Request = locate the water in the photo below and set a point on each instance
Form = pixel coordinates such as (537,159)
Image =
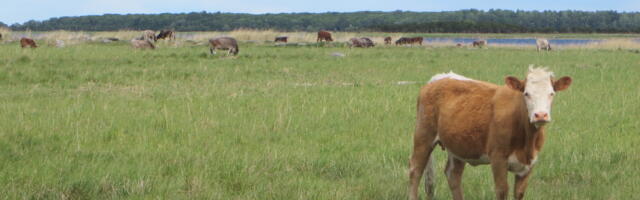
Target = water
(516,41)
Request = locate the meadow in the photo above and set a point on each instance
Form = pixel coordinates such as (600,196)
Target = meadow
(105,121)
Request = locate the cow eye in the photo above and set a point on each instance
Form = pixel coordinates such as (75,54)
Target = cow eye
(553,93)
(526,94)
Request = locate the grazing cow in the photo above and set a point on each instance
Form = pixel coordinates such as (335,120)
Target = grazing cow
(360,42)
(458,45)
(282,39)
(142,44)
(479,43)
(224,43)
(415,40)
(402,40)
(165,34)
(148,35)
(387,40)
(543,44)
(0,36)
(27,42)
(482,123)
(324,35)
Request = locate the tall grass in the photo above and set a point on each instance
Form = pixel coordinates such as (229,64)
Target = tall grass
(96,121)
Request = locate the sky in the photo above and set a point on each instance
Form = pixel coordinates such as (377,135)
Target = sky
(19,11)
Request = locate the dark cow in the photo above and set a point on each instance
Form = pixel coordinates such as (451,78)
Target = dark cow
(324,35)
(0,36)
(413,40)
(479,43)
(165,34)
(360,42)
(224,43)
(27,42)
(282,39)
(387,40)
(402,40)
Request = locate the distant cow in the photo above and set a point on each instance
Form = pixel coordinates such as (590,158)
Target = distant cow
(324,35)
(479,43)
(148,35)
(142,44)
(402,40)
(0,36)
(387,40)
(165,34)
(458,45)
(360,42)
(413,40)
(416,40)
(543,44)
(282,39)
(27,42)
(224,43)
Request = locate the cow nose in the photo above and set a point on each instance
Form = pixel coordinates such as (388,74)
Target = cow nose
(541,116)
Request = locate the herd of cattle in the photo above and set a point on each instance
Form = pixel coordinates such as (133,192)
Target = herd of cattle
(149,37)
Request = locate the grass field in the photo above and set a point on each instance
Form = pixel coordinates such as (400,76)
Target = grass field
(104,121)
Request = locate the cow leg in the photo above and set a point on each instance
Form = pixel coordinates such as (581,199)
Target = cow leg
(423,144)
(520,185)
(499,168)
(454,170)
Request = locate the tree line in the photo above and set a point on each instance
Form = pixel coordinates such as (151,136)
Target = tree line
(463,21)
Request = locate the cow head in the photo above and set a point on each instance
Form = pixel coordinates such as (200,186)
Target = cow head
(538,90)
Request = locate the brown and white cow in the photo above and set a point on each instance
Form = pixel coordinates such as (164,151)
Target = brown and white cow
(27,42)
(543,44)
(482,123)
(324,35)
(148,35)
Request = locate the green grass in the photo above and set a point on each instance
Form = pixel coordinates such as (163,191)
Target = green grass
(109,122)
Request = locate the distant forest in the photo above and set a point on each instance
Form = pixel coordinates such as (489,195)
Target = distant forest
(463,21)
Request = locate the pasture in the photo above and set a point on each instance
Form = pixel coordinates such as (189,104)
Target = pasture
(104,121)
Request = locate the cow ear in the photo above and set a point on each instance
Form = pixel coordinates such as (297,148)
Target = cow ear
(562,83)
(514,83)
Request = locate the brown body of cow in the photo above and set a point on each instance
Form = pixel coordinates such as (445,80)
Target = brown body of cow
(387,40)
(324,35)
(27,42)
(282,39)
(481,123)
(164,34)
(479,43)
(224,43)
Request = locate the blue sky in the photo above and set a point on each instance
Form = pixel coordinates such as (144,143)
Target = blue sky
(13,11)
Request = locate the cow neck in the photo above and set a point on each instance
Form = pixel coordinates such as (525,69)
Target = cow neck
(531,134)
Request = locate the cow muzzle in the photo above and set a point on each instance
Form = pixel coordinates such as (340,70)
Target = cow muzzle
(540,118)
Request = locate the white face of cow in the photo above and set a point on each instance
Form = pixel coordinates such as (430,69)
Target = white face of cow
(538,95)
(538,91)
